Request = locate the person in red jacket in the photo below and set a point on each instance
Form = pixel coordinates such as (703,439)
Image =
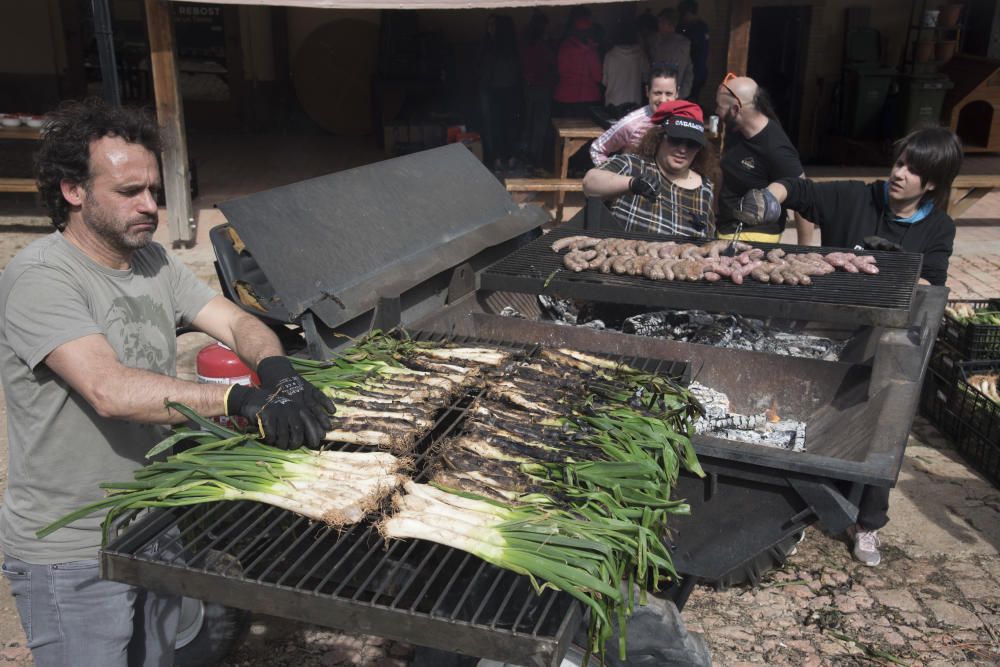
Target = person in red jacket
(579,67)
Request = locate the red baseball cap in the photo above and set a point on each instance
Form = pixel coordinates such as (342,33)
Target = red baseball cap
(681,119)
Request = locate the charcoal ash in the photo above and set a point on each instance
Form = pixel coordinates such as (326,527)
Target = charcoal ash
(758,429)
(511,311)
(731,331)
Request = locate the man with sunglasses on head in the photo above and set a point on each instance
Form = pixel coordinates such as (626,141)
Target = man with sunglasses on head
(906,212)
(661,86)
(756,151)
(666,186)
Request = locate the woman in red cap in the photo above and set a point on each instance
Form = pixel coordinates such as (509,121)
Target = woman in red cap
(667,185)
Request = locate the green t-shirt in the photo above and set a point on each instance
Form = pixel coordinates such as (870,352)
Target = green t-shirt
(60,449)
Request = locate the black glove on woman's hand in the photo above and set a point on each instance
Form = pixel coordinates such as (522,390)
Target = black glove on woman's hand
(277,375)
(282,422)
(637,186)
(760,206)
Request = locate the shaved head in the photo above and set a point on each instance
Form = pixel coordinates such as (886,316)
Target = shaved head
(743,87)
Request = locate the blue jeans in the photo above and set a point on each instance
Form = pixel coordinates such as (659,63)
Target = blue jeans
(73,617)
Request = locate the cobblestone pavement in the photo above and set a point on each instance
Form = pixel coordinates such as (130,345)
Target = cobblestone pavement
(934,600)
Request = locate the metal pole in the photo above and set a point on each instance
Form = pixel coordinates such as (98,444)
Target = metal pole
(106,52)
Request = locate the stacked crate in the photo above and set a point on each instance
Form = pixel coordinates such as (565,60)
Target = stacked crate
(958,408)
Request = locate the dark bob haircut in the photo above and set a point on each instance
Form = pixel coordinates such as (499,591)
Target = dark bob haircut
(935,155)
(65,148)
(660,71)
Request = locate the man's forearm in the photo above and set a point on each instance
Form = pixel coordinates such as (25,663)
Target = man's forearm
(249,338)
(137,395)
(779,191)
(253,340)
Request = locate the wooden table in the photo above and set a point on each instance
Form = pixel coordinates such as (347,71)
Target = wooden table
(28,134)
(572,134)
(20,132)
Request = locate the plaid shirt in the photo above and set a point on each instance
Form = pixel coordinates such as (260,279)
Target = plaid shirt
(676,210)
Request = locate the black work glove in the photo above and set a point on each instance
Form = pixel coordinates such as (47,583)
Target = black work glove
(281,421)
(277,374)
(637,186)
(760,207)
(879,243)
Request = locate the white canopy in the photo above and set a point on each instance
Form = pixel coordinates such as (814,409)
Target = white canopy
(407,4)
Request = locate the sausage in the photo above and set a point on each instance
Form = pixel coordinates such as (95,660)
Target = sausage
(578,241)
(578,260)
(598,260)
(618,263)
(775,255)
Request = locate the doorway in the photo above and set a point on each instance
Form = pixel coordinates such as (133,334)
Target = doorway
(779,37)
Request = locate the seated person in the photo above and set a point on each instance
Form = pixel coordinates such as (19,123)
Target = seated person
(666,186)
(625,135)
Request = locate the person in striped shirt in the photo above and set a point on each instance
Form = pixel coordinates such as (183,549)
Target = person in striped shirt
(667,185)
(661,86)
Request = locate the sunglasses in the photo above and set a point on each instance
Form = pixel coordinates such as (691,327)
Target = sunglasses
(729,77)
(691,144)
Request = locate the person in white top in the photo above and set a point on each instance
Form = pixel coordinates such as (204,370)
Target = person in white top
(625,71)
(629,130)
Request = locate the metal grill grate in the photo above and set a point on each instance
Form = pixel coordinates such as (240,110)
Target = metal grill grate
(270,560)
(881,300)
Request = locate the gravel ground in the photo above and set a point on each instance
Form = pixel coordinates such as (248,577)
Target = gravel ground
(934,601)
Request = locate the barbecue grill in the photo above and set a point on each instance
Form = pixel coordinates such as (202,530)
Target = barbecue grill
(432,242)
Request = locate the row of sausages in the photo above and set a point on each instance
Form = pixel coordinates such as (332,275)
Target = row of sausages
(710,261)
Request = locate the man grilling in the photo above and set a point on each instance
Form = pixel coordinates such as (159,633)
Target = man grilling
(87,357)
(756,152)
(906,212)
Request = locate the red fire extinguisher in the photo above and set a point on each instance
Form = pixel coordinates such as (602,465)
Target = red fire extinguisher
(217,364)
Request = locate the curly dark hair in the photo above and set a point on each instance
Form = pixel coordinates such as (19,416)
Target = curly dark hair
(65,146)
(706,162)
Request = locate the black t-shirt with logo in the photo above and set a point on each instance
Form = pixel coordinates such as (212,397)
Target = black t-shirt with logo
(751,163)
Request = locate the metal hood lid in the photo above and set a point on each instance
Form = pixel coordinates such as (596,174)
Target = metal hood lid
(335,243)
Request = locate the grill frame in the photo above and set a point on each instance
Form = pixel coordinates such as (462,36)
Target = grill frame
(492,614)
(837,297)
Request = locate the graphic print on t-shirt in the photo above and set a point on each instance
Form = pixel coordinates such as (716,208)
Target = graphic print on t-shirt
(135,327)
(748,163)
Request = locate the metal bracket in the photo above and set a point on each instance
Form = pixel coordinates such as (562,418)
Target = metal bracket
(463,281)
(315,346)
(388,313)
(834,511)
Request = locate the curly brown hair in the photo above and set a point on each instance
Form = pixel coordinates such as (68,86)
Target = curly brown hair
(65,147)
(706,162)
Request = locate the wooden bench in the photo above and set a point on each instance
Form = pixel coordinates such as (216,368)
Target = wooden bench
(558,186)
(18,185)
(544,185)
(966,190)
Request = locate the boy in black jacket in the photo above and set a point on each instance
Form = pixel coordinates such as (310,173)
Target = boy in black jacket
(907,212)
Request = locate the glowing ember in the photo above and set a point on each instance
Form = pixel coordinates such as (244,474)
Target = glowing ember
(772,413)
